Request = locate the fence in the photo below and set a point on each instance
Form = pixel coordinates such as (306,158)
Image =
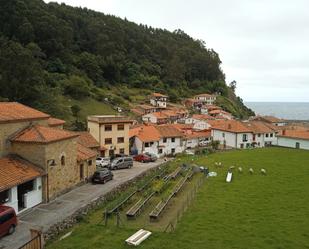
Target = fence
(34,243)
(188,200)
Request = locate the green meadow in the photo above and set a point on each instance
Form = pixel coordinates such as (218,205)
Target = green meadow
(253,211)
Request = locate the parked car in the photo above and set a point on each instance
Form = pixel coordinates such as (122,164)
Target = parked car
(118,155)
(102,176)
(103,161)
(142,158)
(8,220)
(122,163)
(153,156)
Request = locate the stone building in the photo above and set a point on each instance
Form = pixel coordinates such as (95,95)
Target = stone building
(56,159)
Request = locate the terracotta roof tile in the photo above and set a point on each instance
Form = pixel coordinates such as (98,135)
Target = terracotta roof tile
(84,153)
(12,111)
(42,134)
(15,171)
(204,95)
(259,127)
(87,140)
(146,133)
(168,131)
(202,116)
(229,125)
(55,122)
(298,134)
(158,95)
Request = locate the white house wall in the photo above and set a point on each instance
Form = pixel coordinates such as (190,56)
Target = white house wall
(291,143)
(231,139)
(31,198)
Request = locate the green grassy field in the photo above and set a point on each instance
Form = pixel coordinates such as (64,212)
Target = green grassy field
(253,211)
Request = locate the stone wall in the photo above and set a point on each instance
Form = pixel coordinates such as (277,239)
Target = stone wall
(9,129)
(62,177)
(88,169)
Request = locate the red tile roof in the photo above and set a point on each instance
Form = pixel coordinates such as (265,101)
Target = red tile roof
(15,171)
(229,125)
(270,119)
(55,122)
(146,133)
(158,95)
(84,153)
(42,134)
(198,134)
(87,140)
(204,95)
(297,134)
(202,116)
(168,131)
(12,112)
(259,127)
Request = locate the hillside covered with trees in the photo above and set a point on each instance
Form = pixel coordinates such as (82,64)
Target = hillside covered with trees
(50,53)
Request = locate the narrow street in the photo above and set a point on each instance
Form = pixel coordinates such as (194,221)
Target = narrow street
(46,215)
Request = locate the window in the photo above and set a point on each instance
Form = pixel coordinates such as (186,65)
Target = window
(271,135)
(164,140)
(108,127)
(120,140)
(160,151)
(62,160)
(259,135)
(267,135)
(173,150)
(223,134)
(108,140)
(241,146)
(89,162)
(4,196)
(121,151)
(244,137)
(173,140)
(120,127)
(6,217)
(147,145)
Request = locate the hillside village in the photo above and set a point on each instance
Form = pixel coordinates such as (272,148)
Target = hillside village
(40,160)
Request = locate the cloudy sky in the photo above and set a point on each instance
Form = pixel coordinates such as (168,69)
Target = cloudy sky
(263,44)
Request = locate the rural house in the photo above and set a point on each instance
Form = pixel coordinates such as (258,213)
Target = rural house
(38,162)
(112,133)
(231,133)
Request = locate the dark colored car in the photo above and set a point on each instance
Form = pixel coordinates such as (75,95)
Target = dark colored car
(142,158)
(102,176)
(8,220)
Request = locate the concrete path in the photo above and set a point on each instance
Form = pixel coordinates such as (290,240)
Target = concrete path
(46,215)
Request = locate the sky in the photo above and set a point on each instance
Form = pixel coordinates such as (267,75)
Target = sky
(263,44)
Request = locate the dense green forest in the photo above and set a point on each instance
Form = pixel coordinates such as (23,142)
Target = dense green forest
(51,52)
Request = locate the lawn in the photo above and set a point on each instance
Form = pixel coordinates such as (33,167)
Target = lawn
(253,211)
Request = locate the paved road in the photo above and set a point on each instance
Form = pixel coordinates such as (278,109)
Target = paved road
(46,215)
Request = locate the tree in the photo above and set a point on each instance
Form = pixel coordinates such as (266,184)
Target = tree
(232,85)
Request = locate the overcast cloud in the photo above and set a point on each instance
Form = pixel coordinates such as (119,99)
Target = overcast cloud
(263,44)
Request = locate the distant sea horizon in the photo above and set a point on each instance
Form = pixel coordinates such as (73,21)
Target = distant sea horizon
(284,110)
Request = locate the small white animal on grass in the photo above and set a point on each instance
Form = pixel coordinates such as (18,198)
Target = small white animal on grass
(263,172)
(251,171)
(240,169)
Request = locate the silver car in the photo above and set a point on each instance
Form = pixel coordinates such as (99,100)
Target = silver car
(122,163)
